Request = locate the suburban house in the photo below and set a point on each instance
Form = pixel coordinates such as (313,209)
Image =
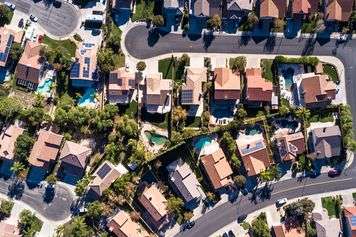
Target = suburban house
(29,70)
(9,230)
(226,85)
(122,85)
(6,40)
(44,154)
(284,231)
(7,146)
(157,94)
(236,9)
(258,90)
(123,226)
(338,10)
(206,8)
(303,8)
(350,221)
(184,182)
(317,91)
(326,226)
(192,90)
(154,204)
(326,142)
(290,145)
(254,153)
(272,9)
(73,159)
(104,176)
(175,6)
(217,169)
(84,71)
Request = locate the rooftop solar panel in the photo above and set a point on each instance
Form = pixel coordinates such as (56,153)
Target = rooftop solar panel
(103,171)
(74,72)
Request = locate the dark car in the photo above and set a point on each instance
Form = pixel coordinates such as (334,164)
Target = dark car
(231,234)
(188,225)
(57,4)
(334,172)
(241,218)
(225,235)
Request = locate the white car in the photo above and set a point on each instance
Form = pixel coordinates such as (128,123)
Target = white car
(34,18)
(10,5)
(281,202)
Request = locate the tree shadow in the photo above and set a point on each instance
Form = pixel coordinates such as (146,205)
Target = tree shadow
(49,194)
(208,38)
(16,190)
(309,46)
(270,44)
(153,37)
(244,39)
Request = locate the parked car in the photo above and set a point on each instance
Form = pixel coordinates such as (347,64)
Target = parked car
(281,202)
(10,5)
(34,18)
(188,225)
(334,172)
(57,4)
(230,233)
(241,218)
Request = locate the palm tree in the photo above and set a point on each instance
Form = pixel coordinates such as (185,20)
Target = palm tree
(269,174)
(19,171)
(303,113)
(51,180)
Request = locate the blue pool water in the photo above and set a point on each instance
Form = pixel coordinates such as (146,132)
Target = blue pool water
(253,130)
(288,78)
(202,142)
(44,87)
(88,97)
(285,123)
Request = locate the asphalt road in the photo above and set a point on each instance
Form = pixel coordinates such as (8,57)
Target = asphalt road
(56,210)
(140,44)
(60,22)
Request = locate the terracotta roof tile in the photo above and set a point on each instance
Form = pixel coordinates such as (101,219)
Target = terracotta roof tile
(7,141)
(290,145)
(29,66)
(273,8)
(227,84)
(123,226)
(258,89)
(121,81)
(317,89)
(192,89)
(339,10)
(305,6)
(75,154)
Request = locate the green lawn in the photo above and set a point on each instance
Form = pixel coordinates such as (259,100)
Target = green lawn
(331,71)
(354,196)
(193,122)
(324,116)
(267,72)
(144,10)
(67,47)
(330,204)
(165,66)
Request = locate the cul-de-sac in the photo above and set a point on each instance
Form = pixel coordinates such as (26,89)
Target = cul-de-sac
(177,118)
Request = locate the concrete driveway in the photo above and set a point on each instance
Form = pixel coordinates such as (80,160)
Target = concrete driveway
(59,22)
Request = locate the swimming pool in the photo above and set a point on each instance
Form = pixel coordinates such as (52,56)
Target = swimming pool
(285,123)
(253,130)
(155,138)
(88,98)
(288,78)
(202,142)
(44,88)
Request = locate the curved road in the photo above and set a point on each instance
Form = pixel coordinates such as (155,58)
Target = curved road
(59,22)
(56,210)
(142,45)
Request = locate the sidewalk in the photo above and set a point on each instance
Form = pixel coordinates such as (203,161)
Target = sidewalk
(273,216)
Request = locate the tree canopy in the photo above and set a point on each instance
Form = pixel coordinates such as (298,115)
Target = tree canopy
(259,226)
(5,15)
(29,224)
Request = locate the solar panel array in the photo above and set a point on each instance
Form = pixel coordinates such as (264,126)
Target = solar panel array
(104,170)
(187,96)
(250,149)
(353,220)
(88,45)
(86,67)
(5,54)
(74,72)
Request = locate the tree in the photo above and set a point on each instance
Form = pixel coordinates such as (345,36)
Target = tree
(229,143)
(51,179)
(179,115)
(76,228)
(18,169)
(138,152)
(107,60)
(175,205)
(16,51)
(299,209)
(9,107)
(126,127)
(23,146)
(241,113)
(29,224)
(5,209)
(188,215)
(239,64)
(259,226)
(304,164)
(158,20)
(95,211)
(141,66)
(205,118)
(269,174)
(5,15)
(214,23)
(240,181)
(283,110)
(81,185)
(135,216)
